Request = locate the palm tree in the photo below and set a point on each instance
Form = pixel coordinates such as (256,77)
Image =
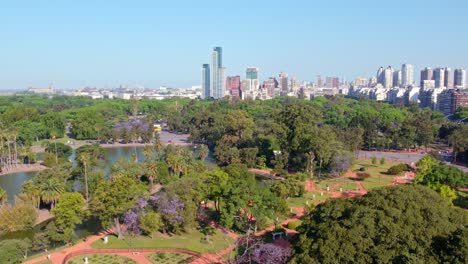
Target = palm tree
(202,152)
(151,173)
(157,143)
(3,196)
(85,158)
(147,152)
(53,135)
(51,190)
(32,191)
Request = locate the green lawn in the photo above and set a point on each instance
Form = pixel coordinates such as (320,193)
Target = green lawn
(169,258)
(308,196)
(193,240)
(377,172)
(102,259)
(322,185)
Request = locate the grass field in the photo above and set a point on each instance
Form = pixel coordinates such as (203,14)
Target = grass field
(377,172)
(169,258)
(193,240)
(102,259)
(308,196)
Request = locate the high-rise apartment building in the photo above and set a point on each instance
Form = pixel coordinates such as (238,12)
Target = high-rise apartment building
(448,81)
(283,80)
(388,77)
(380,75)
(360,82)
(233,86)
(206,91)
(319,81)
(397,78)
(426,75)
(460,78)
(407,75)
(217,74)
(439,77)
(252,73)
(270,85)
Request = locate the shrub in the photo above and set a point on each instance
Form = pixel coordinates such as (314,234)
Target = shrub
(374,160)
(362,175)
(398,169)
(362,169)
(294,224)
(382,161)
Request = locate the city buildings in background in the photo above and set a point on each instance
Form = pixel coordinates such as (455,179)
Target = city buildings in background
(441,88)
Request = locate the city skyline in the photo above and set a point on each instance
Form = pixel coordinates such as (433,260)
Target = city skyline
(107,44)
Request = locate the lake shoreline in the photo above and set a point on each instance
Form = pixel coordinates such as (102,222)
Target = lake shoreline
(24,168)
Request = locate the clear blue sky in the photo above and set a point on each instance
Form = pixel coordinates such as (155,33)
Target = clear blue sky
(152,43)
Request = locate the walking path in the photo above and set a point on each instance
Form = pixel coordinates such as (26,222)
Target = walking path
(139,255)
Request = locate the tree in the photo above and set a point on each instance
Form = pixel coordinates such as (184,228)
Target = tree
(85,159)
(385,226)
(51,190)
(18,217)
(14,250)
(68,213)
(202,152)
(113,198)
(84,124)
(3,196)
(150,222)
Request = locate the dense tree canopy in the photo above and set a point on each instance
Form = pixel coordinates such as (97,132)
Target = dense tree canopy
(395,224)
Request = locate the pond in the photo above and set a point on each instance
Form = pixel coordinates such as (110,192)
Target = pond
(12,182)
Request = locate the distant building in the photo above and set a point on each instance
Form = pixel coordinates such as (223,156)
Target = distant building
(233,86)
(332,82)
(450,100)
(448,81)
(283,81)
(426,75)
(360,82)
(270,85)
(252,73)
(49,90)
(372,82)
(319,81)
(428,84)
(388,77)
(206,91)
(439,77)
(397,79)
(460,78)
(380,75)
(407,75)
(217,74)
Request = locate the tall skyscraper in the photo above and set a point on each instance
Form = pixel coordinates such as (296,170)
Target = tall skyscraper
(252,73)
(319,81)
(283,80)
(251,84)
(397,78)
(206,92)
(380,75)
(448,81)
(439,77)
(218,83)
(460,78)
(407,75)
(426,75)
(388,77)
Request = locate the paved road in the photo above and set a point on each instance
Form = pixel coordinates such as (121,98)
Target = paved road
(393,156)
(167,137)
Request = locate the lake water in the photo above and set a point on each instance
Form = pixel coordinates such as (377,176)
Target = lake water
(12,182)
